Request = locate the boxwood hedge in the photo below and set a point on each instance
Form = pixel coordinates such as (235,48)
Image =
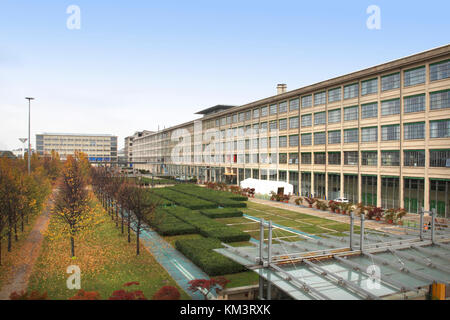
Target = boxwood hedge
(221,213)
(221,198)
(207,226)
(200,252)
(184,200)
(169,225)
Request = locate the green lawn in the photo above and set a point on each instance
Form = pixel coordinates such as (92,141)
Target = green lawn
(106,259)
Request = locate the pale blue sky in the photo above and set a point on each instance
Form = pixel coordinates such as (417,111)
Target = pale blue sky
(135,65)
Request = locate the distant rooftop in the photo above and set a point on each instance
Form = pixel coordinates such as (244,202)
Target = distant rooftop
(75,134)
(217,108)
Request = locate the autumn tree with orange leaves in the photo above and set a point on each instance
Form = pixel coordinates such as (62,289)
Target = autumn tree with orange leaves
(73,202)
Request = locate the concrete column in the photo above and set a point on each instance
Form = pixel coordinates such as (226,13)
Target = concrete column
(312,183)
(378,190)
(326,185)
(359,186)
(426,194)
(341,192)
(402,190)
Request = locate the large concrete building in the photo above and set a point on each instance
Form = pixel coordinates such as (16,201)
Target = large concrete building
(379,136)
(100,148)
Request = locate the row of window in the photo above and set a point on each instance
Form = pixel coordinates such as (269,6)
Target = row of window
(415,103)
(411,158)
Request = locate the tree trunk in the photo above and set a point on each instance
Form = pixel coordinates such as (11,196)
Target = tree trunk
(129,226)
(72,246)
(117,215)
(9,238)
(22,223)
(121,218)
(138,231)
(15,232)
(1,250)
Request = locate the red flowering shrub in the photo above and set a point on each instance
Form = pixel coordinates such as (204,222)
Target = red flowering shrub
(22,295)
(128,295)
(86,295)
(167,293)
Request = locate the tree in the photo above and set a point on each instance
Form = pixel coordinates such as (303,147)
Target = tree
(206,286)
(167,293)
(72,204)
(142,204)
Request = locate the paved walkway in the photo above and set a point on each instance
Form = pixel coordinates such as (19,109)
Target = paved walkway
(372,224)
(180,268)
(28,254)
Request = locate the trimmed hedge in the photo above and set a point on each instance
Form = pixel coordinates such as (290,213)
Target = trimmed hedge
(221,213)
(162,202)
(184,200)
(169,225)
(200,252)
(221,198)
(207,226)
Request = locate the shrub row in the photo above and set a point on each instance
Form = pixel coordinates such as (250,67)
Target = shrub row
(161,201)
(169,225)
(184,200)
(200,252)
(207,226)
(221,213)
(221,198)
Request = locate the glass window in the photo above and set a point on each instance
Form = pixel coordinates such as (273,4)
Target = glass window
(414,76)
(223,121)
(414,158)
(319,158)
(390,82)
(440,99)
(334,158)
(263,111)
(293,158)
(439,158)
(282,159)
(440,129)
(241,116)
(273,142)
(350,135)
(334,116)
(414,103)
(255,113)
(307,101)
(334,137)
(369,158)
(369,134)
(273,125)
(319,138)
(263,143)
(389,133)
(307,120)
(293,123)
(306,157)
(319,118)
(389,107)
(293,104)
(369,110)
(293,140)
(390,158)
(351,158)
(334,95)
(351,113)
(248,115)
(320,98)
(414,130)
(229,119)
(351,91)
(263,127)
(283,107)
(283,141)
(440,70)
(273,109)
(282,124)
(306,139)
(369,86)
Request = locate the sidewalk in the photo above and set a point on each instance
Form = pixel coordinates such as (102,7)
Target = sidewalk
(28,255)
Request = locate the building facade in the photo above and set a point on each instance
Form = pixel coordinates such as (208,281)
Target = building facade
(378,136)
(101,148)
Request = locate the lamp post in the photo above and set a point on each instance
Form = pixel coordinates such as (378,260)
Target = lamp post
(29,141)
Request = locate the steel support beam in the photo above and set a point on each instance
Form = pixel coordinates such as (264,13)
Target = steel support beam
(431,253)
(402,268)
(420,260)
(388,280)
(340,281)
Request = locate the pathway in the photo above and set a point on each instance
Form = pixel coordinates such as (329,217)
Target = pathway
(27,255)
(180,268)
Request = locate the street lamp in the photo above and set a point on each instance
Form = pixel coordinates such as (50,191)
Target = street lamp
(29,141)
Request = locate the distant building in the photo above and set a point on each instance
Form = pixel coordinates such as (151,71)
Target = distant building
(129,142)
(100,148)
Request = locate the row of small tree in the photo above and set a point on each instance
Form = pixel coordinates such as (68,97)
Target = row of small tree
(23,195)
(126,201)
